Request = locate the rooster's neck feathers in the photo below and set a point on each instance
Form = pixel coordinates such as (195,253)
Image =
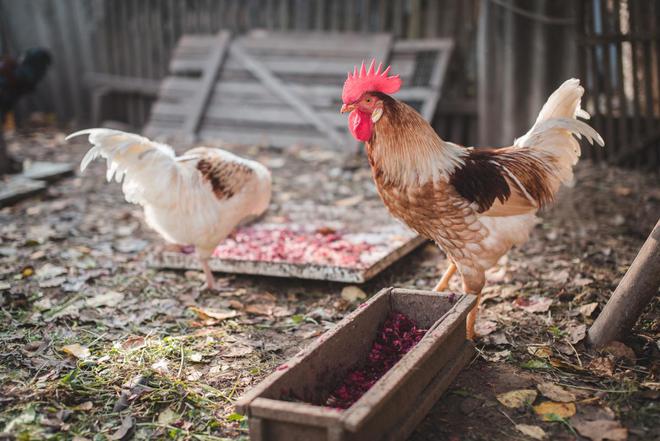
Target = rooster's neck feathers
(405,149)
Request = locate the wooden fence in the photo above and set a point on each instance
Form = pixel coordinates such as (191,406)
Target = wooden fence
(619,65)
(135,39)
(524,49)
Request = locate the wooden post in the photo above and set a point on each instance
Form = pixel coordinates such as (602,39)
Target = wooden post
(635,291)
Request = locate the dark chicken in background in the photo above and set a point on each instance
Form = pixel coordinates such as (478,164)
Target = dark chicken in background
(18,77)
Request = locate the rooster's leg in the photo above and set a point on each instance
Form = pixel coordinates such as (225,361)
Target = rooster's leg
(210,280)
(472,318)
(443,284)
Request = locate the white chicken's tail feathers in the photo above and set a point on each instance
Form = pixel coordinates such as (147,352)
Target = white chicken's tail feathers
(139,162)
(557,126)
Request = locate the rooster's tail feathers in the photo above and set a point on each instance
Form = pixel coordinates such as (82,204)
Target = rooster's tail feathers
(557,126)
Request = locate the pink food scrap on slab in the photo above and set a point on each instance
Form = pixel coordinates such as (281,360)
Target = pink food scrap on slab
(396,336)
(322,246)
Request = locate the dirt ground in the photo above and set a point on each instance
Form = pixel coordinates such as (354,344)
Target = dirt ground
(96,345)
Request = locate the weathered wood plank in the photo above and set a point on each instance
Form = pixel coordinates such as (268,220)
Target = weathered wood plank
(199,101)
(16,188)
(263,136)
(271,81)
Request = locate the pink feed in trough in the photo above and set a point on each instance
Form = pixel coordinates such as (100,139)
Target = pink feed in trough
(398,335)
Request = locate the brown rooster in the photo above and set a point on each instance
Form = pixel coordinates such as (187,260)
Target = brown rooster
(474,203)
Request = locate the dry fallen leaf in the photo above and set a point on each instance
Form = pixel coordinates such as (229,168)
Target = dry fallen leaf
(133,342)
(110,298)
(600,430)
(548,409)
(576,333)
(76,350)
(238,351)
(260,309)
(603,366)
(517,398)
(87,405)
(582,281)
(540,351)
(161,366)
(534,303)
(556,393)
(534,432)
(496,356)
(124,430)
(485,327)
(352,294)
(214,314)
(167,417)
(588,309)
(619,350)
(558,277)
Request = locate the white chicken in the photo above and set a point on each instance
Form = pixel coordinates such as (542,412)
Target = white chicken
(195,199)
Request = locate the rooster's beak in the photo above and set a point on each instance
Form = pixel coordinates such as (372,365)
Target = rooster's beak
(347,108)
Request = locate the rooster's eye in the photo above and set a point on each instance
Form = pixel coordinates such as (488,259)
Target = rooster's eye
(368,100)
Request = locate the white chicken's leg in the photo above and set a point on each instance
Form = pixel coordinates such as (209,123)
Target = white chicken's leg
(210,280)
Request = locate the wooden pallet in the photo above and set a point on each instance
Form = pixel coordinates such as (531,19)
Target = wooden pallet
(389,240)
(280,88)
(32,181)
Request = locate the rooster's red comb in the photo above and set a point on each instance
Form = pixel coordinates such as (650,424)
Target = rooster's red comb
(371,80)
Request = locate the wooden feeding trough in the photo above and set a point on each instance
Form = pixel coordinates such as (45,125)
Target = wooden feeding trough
(395,404)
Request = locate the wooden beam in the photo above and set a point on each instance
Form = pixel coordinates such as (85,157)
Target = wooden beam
(120,83)
(280,89)
(199,102)
(437,80)
(635,291)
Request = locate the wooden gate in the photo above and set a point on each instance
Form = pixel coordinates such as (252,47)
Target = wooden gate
(282,88)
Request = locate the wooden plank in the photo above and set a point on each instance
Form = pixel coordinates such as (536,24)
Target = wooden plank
(274,114)
(623,137)
(319,43)
(47,171)
(271,81)
(199,101)
(120,83)
(17,188)
(265,137)
(434,391)
(319,95)
(607,77)
(293,412)
(596,90)
(436,81)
